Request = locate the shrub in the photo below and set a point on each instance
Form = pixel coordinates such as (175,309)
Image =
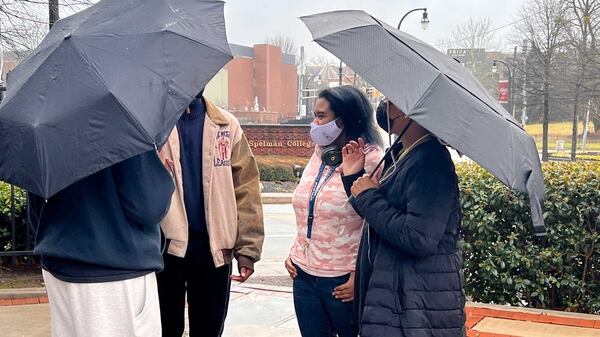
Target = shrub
(5,214)
(276,173)
(502,263)
(278,168)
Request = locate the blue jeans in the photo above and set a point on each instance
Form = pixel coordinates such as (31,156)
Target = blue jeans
(319,313)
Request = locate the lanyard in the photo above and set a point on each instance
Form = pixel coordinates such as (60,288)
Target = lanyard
(313,196)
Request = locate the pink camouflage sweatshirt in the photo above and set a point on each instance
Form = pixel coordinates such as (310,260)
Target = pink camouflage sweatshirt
(336,230)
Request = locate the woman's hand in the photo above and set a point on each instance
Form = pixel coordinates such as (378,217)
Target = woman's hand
(353,157)
(345,292)
(290,267)
(364,183)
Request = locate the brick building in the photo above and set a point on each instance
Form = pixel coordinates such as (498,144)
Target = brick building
(319,77)
(10,61)
(259,86)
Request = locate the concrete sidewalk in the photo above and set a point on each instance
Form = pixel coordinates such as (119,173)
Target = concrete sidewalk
(261,311)
(265,310)
(254,310)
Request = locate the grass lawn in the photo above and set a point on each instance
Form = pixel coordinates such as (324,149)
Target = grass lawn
(562,131)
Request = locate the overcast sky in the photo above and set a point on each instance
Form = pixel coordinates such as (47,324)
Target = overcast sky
(252,21)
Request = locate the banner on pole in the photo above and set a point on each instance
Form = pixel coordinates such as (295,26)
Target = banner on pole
(503,91)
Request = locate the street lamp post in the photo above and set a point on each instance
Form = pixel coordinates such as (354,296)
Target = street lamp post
(424,19)
(524,109)
(510,84)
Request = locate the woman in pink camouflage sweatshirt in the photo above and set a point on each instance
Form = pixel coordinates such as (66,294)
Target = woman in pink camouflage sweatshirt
(323,257)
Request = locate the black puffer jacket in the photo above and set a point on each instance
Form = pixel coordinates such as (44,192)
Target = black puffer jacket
(409,279)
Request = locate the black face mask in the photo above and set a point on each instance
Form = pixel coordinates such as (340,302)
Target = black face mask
(381,116)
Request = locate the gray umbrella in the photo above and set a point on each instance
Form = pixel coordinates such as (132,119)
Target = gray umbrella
(106,84)
(439,94)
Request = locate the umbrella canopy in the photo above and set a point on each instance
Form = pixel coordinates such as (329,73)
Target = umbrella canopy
(106,84)
(438,93)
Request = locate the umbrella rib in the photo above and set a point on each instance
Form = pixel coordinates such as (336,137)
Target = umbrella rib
(147,67)
(122,56)
(97,8)
(56,45)
(339,30)
(226,52)
(11,88)
(429,62)
(134,120)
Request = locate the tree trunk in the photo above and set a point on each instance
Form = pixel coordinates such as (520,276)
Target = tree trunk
(575,126)
(546,119)
(53,14)
(545,122)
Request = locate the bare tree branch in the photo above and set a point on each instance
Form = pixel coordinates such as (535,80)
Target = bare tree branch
(287,45)
(23,23)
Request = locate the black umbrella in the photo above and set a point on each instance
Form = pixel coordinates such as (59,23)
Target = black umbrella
(106,84)
(439,94)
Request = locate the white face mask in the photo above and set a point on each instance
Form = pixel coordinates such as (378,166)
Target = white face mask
(325,134)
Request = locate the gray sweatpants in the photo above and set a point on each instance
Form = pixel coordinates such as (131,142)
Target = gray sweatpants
(127,308)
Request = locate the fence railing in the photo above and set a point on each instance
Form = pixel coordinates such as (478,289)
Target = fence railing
(17,249)
(19,246)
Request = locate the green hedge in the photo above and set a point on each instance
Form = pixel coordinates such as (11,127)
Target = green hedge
(5,225)
(502,263)
(276,173)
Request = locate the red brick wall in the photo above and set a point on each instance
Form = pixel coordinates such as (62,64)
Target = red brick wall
(280,140)
(289,92)
(267,76)
(240,77)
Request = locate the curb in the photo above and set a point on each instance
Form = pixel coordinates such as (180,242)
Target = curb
(276,198)
(23,301)
(475,312)
(478,312)
(23,296)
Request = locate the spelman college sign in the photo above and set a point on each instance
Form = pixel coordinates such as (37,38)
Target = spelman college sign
(279,140)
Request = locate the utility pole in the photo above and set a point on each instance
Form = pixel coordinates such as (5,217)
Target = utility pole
(53,14)
(301,82)
(510,84)
(524,109)
(586,126)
